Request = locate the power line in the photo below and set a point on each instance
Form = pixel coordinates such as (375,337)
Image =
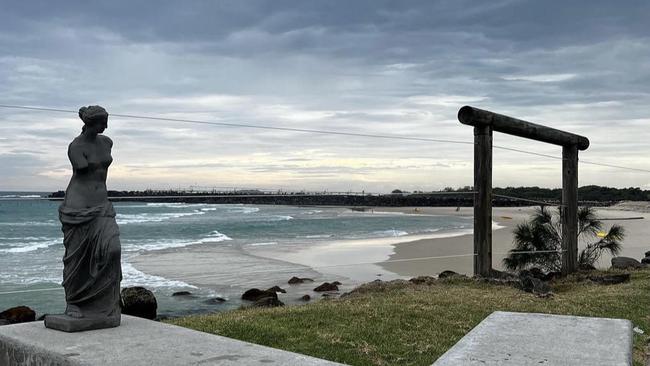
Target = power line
(325,132)
(527,200)
(230,124)
(527,152)
(615,166)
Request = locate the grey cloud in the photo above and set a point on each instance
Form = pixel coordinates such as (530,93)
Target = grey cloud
(379,67)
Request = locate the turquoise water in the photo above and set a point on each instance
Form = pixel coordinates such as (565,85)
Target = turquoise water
(31,242)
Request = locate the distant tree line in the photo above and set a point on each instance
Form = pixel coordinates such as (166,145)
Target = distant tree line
(588,195)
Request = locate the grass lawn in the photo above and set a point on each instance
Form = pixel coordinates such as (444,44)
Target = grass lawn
(396,324)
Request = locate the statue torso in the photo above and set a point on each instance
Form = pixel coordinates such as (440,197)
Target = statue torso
(87,187)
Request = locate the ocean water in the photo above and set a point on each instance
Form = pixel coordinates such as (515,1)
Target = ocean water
(31,242)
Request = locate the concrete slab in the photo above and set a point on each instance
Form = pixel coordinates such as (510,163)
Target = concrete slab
(136,342)
(521,339)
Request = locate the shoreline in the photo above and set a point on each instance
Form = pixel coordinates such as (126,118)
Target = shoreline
(354,262)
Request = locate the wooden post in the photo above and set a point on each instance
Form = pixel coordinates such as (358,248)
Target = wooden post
(569,209)
(483,200)
(485,122)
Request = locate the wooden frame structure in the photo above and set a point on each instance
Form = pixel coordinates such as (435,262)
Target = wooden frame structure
(485,122)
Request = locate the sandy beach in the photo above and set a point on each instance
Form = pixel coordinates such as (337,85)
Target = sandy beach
(353,262)
(636,242)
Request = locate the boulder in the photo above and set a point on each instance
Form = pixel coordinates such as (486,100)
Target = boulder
(326,286)
(268,301)
(140,302)
(611,279)
(625,263)
(214,300)
(255,294)
(534,285)
(647,254)
(277,289)
(552,275)
(423,280)
(646,260)
(182,293)
(305,298)
(296,280)
(337,283)
(586,267)
(18,314)
(446,274)
(502,275)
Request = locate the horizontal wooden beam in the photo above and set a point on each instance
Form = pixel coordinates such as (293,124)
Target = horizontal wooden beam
(513,126)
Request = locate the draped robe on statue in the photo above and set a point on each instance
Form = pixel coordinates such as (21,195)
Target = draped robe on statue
(92,270)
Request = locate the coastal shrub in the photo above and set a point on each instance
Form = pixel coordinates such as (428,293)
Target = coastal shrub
(538,242)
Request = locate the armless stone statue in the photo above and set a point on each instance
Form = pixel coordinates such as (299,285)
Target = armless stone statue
(91,263)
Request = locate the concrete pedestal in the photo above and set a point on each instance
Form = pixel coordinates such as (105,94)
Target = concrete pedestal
(135,342)
(520,339)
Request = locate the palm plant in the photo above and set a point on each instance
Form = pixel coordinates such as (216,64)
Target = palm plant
(538,242)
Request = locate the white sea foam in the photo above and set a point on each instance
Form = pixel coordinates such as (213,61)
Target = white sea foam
(397,213)
(244,210)
(32,223)
(496,226)
(123,219)
(153,244)
(279,218)
(20,196)
(133,277)
(29,278)
(263,244)
(321,236)
(389,233)
(31,246)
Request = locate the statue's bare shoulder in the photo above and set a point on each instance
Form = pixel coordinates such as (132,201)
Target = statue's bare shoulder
(76,154)
(105,139)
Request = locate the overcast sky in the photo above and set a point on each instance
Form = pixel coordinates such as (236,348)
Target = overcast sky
(399,68)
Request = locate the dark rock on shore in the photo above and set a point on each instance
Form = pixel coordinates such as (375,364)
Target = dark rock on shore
(277,289)
(305,298)
(625,263)
(502,275)
(539,274)
(214,301)
(426,280)
(268,302)
(612,279)
(647,254)
(140,302)
(18,314)
(182,293)
(646,260)
(255,294)
(295,280)
(586,267)
(326,286)
(445,274)
(534,285)
(552,275)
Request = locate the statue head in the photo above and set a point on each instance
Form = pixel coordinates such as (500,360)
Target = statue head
(94,117)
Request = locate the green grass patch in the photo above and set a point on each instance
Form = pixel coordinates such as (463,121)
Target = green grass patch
(416,324)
